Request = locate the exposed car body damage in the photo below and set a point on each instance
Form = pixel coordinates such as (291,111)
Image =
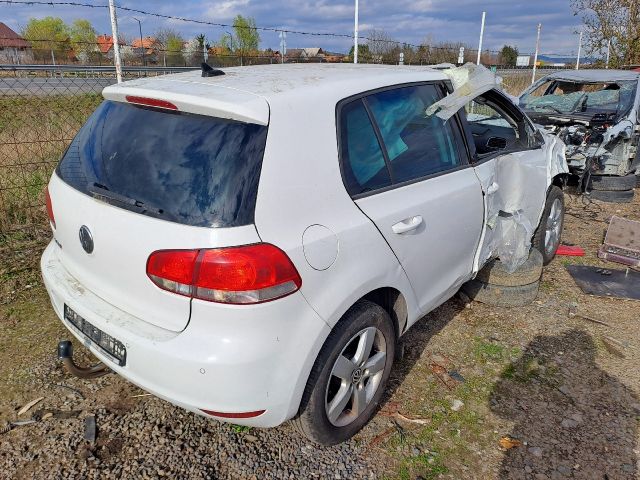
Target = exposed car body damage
(515,182)
(595,112)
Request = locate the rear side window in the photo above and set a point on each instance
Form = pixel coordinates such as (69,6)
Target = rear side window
(416,144)
(363,161)
(181,167)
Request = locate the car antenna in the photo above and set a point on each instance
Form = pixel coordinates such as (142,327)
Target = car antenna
(209,71)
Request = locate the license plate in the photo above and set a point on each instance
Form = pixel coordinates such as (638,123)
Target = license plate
(105,342)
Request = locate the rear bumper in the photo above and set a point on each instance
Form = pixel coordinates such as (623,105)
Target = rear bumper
(228,359)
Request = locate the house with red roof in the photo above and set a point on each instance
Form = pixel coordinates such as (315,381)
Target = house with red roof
(14,48)
(105,45)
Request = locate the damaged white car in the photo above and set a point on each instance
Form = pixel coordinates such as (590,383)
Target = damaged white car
(596,113)
(250,244)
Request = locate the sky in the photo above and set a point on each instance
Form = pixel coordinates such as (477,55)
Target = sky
(509,22)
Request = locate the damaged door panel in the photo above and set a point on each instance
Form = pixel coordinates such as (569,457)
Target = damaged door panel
(515,165)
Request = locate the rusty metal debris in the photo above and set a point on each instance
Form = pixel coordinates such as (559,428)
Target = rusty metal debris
(90,430)
(621,242)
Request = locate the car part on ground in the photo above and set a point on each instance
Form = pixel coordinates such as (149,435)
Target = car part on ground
(570,251)
(495,285)
(621,242)
(547,237)
(496,273)
(612,196)
(595,112)
(500,296)
(608,182)
(604,282)
(349,375)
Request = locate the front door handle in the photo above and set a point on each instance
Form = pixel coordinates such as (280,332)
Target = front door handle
(407,224)
(493,188)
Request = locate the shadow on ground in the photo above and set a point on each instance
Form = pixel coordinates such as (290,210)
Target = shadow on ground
(577,420)
(413,344)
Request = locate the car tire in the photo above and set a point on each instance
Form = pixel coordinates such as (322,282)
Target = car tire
(548,235)
(612,196)
(501,296)
(637,180)
(322,417)
(611,182)
(495,272)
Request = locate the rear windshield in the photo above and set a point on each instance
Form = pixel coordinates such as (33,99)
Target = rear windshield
(191,169)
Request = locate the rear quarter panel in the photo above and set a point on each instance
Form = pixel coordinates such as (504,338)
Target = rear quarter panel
(300,186)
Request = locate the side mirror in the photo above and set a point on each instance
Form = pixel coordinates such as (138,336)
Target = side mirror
(496,143)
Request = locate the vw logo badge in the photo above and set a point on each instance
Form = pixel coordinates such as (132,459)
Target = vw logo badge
(86,239)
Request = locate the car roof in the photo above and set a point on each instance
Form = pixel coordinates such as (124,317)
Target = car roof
(245,93)
(595,75)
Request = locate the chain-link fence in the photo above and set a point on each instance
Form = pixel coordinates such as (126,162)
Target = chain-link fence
(41,109)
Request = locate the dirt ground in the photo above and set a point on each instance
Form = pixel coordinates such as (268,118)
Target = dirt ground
(480,392)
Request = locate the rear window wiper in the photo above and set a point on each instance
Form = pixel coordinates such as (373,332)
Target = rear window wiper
(100,191)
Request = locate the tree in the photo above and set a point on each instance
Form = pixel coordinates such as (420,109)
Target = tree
(171,44)
(508,56)
(49,36)
(83,39)
(614,21)
(381,46)
(247,38)
(364,54)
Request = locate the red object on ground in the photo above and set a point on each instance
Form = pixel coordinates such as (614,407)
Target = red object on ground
(570,251)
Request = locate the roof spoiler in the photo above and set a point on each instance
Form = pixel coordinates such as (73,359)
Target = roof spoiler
(209,71)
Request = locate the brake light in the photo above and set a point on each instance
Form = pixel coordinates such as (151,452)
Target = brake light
(47,197)
(238,275)
(151,102)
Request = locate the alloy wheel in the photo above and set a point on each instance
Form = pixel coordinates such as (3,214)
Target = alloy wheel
(355,376)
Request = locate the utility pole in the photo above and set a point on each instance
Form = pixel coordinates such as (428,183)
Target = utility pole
(144,60)
(484,14)
(355,35)
(579,51)
(608,52)
(283,45)
(535,56)
(116,45)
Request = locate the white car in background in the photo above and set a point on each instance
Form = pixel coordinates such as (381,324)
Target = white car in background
(250,245)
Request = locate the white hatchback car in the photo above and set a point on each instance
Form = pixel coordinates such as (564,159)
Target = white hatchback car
(250,245)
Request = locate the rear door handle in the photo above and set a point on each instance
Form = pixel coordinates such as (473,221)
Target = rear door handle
(407,224)
(493,188)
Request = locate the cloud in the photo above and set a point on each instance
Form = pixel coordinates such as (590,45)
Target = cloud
(510,22)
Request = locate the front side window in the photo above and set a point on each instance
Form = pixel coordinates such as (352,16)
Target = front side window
(496,129)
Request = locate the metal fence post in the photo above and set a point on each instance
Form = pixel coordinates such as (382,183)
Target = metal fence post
(116,45)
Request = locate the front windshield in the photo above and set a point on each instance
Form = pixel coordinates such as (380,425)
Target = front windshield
(582,98)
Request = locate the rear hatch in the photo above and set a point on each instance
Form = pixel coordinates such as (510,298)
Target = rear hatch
(141,179)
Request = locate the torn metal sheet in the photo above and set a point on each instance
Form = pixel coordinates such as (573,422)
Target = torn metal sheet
(622,242)
(606,283)
(468,81)
(515,186)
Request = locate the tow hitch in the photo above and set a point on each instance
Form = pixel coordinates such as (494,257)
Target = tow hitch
(65,354)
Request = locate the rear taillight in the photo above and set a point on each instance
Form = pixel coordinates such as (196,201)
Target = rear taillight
(47,197)
(239,275)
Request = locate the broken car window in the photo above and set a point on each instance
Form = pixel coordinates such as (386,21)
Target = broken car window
(565,97)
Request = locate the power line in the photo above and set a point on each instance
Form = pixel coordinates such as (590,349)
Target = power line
(226,25)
